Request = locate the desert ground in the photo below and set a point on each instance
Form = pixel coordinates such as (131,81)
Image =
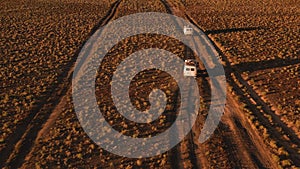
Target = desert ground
(257,43)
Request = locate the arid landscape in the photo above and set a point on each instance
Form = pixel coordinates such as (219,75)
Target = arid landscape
(258,44)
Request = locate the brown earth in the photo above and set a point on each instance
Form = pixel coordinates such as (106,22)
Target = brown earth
(57,139)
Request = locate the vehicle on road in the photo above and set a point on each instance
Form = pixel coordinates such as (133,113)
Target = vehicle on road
(190,68)
(188,30)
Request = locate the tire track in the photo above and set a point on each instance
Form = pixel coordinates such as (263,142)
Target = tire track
(237,147)
(256,160)
(185,154)
(276,122)
(20,145)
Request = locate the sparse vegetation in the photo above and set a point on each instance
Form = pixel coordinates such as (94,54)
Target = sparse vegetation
(38,41)
(258,38)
